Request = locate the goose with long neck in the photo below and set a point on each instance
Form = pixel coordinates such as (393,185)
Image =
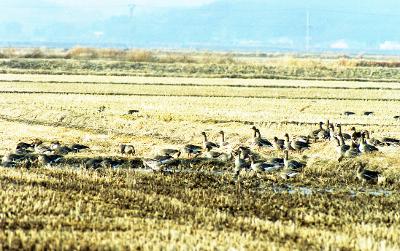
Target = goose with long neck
(371,141)
(346,136)
(292,164)
(287,143)
(239,161)
(279,144)
(341,147)
(352,152)
(324,133)
(314,134)
(355,135)
(259,141)
(295,144)
(207,143)
(366,148)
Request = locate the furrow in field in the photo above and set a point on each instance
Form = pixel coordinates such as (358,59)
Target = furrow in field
(266,86)
(202,95)
(191,81)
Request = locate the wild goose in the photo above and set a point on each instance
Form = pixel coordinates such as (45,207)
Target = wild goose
(127,149)
(390,141)
(352,152)
(23,148)
(302,138)
(207,143)
(368,175)
(262,166)
(222,142)
(217,155)
(314,134)
(277,161)
(295,145)
(78,147)
(240,164)
(366,148)
(279,144)
(372,141)
(93,163)
(11,159)
(332,133)
(108,162)
(245,151)
(324,133)
(42,149)
(341,147)
(292,164)
(44,159)
(191,150)
(158,162)
(258,141)
(170,152)
(59,149)
(354,134)
(345,136)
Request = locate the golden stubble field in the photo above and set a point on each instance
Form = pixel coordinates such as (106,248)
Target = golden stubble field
(67,207)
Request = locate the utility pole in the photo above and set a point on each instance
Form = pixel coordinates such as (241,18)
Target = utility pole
(131,9)
(308,28)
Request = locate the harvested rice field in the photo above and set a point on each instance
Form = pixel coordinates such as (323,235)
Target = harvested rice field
(101,198)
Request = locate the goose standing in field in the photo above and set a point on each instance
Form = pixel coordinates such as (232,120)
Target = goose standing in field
(207,143)
(314,134)
(324,134)
(355,135)
(295,144)
(372,141)
(258,141)
(366,148)
(341,147)
(240,163)
(302,138)
(368,175)
(345,136)
(292,167)
(222,142)
(127,149)
(279,144)
(292,164)
(352,152)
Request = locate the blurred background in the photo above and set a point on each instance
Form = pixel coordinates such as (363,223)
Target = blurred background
(352,26)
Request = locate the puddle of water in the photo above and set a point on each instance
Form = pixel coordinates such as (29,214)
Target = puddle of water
(287,188)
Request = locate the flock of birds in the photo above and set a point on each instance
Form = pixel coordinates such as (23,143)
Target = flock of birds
(245,158)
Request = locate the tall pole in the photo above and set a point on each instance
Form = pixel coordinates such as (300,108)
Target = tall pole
(308,27)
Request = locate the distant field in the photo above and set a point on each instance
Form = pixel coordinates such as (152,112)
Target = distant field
(279,69)
(73,208)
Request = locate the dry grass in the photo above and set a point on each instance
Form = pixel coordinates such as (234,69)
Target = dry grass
(69,207)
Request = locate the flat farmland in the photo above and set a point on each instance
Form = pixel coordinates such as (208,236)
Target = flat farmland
(71,207)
